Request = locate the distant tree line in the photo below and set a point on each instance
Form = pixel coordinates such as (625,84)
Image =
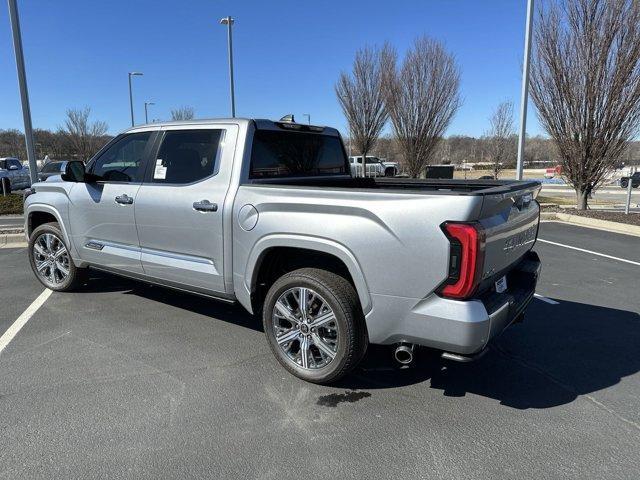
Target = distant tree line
(77,139)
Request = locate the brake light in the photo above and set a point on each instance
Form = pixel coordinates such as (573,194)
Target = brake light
(466,259)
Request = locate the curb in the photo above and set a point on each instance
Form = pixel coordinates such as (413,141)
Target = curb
(598,224)
(12,240)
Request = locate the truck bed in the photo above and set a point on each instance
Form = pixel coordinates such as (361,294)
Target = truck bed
(413,185)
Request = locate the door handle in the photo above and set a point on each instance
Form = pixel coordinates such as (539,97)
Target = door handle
(124,199)
(205,206)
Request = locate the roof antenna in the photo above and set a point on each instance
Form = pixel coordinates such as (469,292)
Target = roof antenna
(288,118)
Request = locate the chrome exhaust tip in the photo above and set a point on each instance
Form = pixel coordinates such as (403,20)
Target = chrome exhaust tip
(404,353)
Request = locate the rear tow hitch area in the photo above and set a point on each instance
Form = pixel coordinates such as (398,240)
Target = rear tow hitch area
(456,357)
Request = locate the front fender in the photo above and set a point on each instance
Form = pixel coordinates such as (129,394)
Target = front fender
(319,244)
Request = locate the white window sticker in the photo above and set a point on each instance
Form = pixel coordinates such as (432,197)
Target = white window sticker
(160,173)
(501,285)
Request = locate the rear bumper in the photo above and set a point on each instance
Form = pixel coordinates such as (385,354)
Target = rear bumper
(463,327)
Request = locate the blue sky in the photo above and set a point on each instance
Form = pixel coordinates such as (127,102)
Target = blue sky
(288,55)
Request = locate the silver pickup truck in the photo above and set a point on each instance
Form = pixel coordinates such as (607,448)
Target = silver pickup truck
(267,214)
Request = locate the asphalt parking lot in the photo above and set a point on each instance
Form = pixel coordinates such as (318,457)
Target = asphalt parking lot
(125,380)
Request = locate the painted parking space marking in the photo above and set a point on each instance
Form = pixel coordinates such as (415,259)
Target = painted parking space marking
(591,252)
(21,321)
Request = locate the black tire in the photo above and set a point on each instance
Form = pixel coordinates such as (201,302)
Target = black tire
(390,172)
(624,183)
(343,300)
(76,276)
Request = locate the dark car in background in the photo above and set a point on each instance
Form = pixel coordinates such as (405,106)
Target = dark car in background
(51,169)
(635,180)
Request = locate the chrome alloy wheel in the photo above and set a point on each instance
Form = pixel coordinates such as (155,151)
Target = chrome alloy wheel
(51,258)
(305,328)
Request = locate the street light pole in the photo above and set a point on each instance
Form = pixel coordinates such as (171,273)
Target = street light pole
(131,95)
(308,118)
(146,116)
(24,93)
(228,21)
(525,90)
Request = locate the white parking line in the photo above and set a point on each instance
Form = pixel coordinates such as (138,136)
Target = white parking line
(13,330)
(545,299)
(590,252)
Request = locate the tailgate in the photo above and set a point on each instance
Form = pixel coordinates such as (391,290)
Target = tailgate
(510,221)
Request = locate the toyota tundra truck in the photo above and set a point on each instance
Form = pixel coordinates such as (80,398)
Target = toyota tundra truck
(266,214)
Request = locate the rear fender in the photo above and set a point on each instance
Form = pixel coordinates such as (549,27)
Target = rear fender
(245,283)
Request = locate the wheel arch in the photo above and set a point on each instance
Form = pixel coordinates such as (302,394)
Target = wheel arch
(300,251)
(37,214)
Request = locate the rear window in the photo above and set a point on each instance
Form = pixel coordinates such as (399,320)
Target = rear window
(294,154)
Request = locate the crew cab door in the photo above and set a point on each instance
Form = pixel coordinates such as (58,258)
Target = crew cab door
(101,212)
(179,206)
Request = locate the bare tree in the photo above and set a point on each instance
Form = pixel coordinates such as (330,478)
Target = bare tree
(361,97)
(585,83)
(183,113)
(499,138)
(84,138)
(422,99)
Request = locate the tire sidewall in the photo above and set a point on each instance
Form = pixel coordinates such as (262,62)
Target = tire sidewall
(55,230)
(345,327)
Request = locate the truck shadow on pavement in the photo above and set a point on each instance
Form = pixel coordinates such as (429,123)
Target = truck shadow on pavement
(558,353)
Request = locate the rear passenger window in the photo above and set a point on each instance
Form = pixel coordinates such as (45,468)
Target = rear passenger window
(187,156)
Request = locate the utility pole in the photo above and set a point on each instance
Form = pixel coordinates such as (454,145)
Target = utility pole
(24,92)
(131,95)
(228,21)
(308,115)
(525,90)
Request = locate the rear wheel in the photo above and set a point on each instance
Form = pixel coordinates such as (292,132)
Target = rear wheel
(624,183)
(51,261)
(314,325)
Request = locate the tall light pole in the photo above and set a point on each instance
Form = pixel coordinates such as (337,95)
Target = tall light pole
(146,116)
(525,90)
(24,93)
(131,95)
(308,118)
(228,21)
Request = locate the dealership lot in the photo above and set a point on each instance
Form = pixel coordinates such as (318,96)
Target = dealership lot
(128,380)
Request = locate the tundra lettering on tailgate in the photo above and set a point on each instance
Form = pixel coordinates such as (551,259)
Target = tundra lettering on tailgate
(520,239)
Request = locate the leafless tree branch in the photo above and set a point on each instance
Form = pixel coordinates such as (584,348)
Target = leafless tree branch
(422,98)
(585,83)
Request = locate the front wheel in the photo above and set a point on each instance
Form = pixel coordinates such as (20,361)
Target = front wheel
(314,325)
(624,183)
(51,261)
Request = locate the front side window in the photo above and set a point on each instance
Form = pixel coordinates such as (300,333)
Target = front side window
(123,160)
(187,156)
(292,154)
(14,163)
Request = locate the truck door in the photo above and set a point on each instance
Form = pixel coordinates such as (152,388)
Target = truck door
(101,212)
(179,206)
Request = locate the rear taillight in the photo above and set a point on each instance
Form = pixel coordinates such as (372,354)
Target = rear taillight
(466,256)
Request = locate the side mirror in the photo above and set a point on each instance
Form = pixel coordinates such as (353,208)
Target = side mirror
(74,171)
